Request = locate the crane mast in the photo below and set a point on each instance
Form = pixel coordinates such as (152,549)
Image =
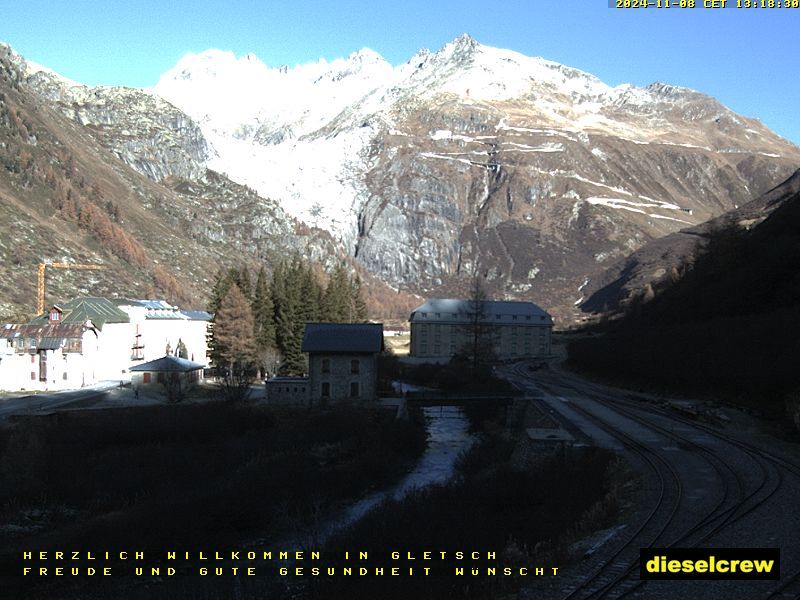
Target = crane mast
(55,265)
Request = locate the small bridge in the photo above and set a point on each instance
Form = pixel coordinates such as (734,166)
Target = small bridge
(438,398)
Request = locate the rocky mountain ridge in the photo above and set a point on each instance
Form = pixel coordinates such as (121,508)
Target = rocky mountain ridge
(67,193)
(468,160)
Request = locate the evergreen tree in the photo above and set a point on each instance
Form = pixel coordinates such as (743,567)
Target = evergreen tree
(243,281)
(263,320)
(359,305)
(286,289)
(336,298)
(222,283)
(310,294)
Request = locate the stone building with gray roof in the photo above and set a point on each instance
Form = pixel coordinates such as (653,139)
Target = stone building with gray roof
(441,328)
(342,365)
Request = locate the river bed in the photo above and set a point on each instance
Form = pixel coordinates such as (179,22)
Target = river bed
(448,437)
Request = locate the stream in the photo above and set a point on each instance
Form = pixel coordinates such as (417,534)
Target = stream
(448,437)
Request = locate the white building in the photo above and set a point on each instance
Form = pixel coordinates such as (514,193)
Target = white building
(40,357)
(442,328)
(161,328)
(87,340)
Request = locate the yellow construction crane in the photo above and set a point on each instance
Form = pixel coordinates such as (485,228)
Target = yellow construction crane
(55,265)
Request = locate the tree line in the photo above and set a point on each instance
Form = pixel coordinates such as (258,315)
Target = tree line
(259,326)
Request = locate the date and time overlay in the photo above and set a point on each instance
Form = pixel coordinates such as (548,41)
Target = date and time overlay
(743,4)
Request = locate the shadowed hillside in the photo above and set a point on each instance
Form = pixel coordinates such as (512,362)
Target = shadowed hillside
(727,324)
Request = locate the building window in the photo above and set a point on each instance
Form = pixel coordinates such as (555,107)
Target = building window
(33,342)
(514,318)
(326,390)
(54,316)
(326,365)
(437,349)
(9,343)
(354,390)
(355,367)
(146,377)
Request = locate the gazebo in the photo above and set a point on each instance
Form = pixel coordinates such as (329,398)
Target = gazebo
(167,370)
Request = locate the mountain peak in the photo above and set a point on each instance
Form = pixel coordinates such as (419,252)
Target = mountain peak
(366,56)
(463,45)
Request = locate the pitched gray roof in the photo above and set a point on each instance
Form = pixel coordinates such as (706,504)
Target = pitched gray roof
(457,310)
(168,363)
(343,337)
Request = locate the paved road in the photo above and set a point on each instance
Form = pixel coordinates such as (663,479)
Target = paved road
(707,479)
(48,401)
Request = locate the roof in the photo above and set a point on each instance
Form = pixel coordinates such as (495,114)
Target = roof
(457,310)
(163,310)
(359,338)
(197,315)
(48,336)
(168,363)
(79,310)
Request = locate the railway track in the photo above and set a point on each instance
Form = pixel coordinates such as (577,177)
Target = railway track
(746,478)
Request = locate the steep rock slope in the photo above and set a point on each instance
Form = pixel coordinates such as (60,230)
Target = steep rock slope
(662,263)
(478,160)
(65,196)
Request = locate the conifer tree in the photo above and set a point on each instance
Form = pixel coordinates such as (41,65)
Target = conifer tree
(264,321)
(234,341)
(222,283)
(243,281)
(359,305)
(286,290)
(336,298)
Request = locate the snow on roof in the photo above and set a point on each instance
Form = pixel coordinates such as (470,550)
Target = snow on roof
(168,363)
(454,309)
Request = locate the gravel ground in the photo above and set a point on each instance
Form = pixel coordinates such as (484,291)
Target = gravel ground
(753,498)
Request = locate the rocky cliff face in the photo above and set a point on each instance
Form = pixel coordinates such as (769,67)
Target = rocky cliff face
(468,160)
(66,196)
(143,131)
(479,160)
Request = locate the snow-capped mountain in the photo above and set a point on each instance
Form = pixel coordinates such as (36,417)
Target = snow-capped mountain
(476,158)
(463,160)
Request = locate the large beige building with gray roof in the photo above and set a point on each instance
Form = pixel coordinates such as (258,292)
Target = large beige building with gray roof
(442,328)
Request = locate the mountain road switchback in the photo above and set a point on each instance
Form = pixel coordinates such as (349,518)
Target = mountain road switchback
(707,479)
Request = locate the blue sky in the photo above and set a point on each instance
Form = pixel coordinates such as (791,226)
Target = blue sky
(744,57)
